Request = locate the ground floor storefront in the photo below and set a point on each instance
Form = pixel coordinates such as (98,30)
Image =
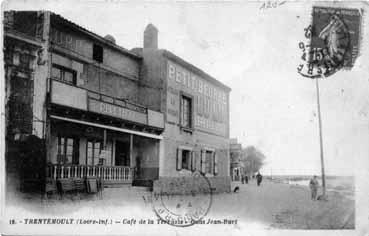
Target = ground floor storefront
(78,149)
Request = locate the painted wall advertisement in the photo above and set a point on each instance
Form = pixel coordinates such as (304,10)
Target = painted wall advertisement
(210,102)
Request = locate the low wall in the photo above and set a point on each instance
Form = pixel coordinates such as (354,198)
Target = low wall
(188,185)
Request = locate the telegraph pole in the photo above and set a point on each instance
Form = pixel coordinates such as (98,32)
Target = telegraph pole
(320,136)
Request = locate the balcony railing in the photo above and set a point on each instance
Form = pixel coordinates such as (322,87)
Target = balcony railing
(84,99)
(118,173)
(117,101)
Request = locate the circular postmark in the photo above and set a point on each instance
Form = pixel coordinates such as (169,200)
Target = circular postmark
(184,209)
(329,46)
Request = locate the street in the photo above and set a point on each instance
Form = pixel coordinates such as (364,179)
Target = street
(269,206)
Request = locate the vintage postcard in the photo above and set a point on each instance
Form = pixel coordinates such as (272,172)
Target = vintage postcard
(184,117)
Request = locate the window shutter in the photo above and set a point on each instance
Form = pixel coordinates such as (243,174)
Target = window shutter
(203,161)
(215,156)
(179,159)
(193,161)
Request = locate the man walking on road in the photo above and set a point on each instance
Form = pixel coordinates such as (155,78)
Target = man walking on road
(314,187)
(259,178)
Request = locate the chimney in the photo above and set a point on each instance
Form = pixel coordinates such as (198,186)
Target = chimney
(151,37)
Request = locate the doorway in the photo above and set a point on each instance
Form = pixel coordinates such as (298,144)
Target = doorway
(122,153)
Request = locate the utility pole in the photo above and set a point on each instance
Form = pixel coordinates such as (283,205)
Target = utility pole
(320,137)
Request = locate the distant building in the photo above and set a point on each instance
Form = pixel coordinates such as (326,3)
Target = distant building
(236,165)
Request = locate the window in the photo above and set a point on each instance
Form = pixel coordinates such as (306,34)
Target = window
(63,74)
(186,159)
(98,53)
(186,112)
(68,150)
(209,162)
(94,148)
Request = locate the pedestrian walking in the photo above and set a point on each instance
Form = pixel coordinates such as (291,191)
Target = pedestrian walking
(314,187)
(246,179)
(259,178)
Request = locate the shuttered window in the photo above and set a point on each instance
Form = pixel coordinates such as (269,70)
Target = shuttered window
(209,162)
(203,161)
(185,159)
(186,112)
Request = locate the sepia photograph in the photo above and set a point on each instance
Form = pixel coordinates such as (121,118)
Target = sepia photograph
(184,117)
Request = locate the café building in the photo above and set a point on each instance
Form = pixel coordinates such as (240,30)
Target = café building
(97,126)
(86,107)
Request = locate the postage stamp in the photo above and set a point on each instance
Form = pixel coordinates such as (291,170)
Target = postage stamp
(334,41)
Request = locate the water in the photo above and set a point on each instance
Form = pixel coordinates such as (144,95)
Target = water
(338,184)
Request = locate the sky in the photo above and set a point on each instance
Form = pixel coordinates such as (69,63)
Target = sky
(255,52)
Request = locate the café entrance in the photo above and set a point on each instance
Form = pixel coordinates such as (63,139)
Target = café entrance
(122,153)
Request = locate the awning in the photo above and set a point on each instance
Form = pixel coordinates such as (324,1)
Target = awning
(154,136)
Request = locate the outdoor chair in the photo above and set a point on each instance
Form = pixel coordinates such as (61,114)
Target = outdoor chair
(94,185)
(80,186)
(50,187)
(66,185)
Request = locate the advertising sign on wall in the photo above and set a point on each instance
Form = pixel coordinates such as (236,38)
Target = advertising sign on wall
(210,102)
(116,111)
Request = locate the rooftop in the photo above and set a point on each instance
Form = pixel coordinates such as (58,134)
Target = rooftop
(58,18)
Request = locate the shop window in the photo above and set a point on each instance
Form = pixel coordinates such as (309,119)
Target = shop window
(185,159)
(64,74)
(94,149)
(209,162)
(68,150)
(186,112)
(98,53)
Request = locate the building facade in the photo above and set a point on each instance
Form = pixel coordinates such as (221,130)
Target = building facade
(196,111)
(94,109)
(82,104)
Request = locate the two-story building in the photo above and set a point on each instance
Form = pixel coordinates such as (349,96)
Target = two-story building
(79,105)
(83,103)
(196,111)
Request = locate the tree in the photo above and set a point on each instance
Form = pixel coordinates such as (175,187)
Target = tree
(252,159)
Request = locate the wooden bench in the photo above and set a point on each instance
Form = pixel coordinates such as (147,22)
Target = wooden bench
(80,186)
(50,186)
(66,185)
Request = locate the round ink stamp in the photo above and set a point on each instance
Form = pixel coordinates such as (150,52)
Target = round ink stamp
(187,208)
